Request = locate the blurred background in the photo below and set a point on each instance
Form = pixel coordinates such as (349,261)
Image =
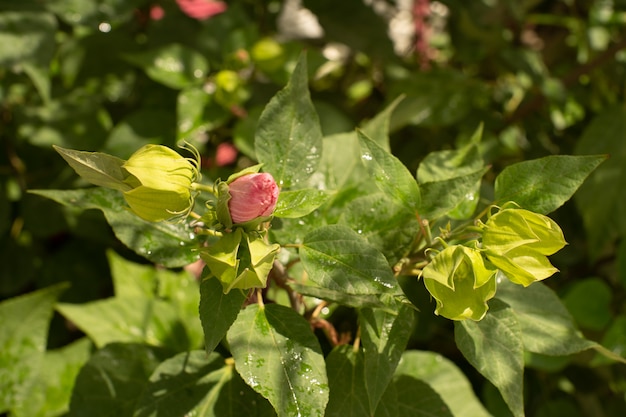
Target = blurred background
(544,77)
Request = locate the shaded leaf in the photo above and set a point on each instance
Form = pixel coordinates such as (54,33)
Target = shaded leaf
(218,311)
(169,244)
(384,335)
(494,347)
(113,379)
(347,383)
(445,378)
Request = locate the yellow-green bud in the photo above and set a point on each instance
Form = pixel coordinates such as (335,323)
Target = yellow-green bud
(161,181)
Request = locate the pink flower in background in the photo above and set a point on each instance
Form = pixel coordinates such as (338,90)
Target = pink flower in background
(225,154)
(156,12)
(201,9)
(252,196)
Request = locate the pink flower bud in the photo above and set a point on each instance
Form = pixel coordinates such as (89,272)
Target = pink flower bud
(252,196)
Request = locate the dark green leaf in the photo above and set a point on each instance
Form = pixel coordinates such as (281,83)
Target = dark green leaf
(169,244)
(448,164)
(288,138)
(378,127)
(441,197)
(140,128)
(337,258)
(277,354)
(112,381)
(543,185)
(589,301)
(217,310)
(174,65)
(494,347)
(445,378)
(389,173)
(26,37)
(347,383)
(547,327)
(352,300)
(179,385)
(417,399)
(600,199)
(298,203)
(23,337)
(384,335)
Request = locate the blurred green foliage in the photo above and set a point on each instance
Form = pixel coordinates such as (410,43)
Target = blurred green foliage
(544,78)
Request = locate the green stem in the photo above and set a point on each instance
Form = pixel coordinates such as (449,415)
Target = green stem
(202,187)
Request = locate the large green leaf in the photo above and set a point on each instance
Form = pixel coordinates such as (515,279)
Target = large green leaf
(352,300)
(113,379)
(389,173)
(130,319)
(448,164)
(543,185)
(547,327)
(277,354)
(169,244)
(174,65)
(23,337)
(217,310)
(445,378)
(96,167)
(600,199)
(411,397)
(347,383)
(494,347)
(288,138)
(48,395)
(337,258)
(384,335)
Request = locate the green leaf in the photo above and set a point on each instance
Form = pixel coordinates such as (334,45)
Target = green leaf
(600,199)
(352,300)
(23,336)
(179,384)
(288,138)
(441,197)
(169,244)
(337,258)
(415,398)
(449,164)
(446,379)
(218,311)
(589,301)
(96,167)
(174,65)
(277,354)
(388,227)
(26,36)
(192,383)
(389,173)
(494,347)
(131,319)
(384,335)
(299,203)
(378,127)
(340,164)
(547,327)
(543,185)
(113,379)
(347,383)
(48,395)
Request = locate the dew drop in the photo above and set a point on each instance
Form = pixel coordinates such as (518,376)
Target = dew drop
(367,157)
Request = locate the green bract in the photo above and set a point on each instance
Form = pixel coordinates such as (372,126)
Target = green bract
(518,241)
(161,181)
(241,260)
(460,282)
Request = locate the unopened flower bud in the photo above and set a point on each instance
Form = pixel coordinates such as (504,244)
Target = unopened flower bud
(252,196)
(161,181)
